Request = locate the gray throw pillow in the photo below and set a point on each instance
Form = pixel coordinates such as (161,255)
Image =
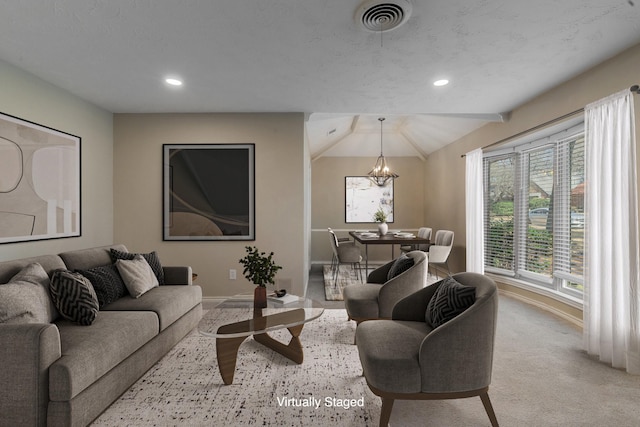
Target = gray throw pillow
(137,275)
(400,265)
(151,257)
(107,283)
(451,299)
(25,299)
(74,297)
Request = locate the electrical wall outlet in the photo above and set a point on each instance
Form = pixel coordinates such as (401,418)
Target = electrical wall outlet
(232,274)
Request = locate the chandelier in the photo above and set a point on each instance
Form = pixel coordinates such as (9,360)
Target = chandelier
(381,174)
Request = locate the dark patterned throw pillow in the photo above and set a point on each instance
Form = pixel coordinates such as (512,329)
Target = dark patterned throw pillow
(74,297)
(107,283)
(151,257)
(451,299)
(400,265)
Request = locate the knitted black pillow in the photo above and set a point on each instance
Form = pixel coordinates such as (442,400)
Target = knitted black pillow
(107,283)
(152,259)
(451,299)
(74,297)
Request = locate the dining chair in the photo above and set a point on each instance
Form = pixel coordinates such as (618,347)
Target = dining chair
(344,251)
(440,249)
(439,344)
(424,233)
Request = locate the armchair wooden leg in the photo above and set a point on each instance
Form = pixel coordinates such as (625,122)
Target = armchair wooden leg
(385,413)
(489,408)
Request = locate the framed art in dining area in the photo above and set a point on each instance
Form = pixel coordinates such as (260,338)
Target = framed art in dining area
(39,182)
(363,198)
(208,192)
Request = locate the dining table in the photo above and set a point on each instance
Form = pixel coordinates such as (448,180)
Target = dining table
(367,238)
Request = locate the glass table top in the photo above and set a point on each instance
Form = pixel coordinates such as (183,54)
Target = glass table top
(235,317)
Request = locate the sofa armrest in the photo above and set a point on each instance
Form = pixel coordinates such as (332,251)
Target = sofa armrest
(26,352)
(178,275)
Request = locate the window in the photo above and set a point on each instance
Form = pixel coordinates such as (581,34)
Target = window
(534,211)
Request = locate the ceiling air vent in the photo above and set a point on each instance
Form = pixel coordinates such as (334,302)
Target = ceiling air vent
(381,16)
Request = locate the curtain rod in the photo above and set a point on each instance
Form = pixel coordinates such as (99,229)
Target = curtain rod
(634,88)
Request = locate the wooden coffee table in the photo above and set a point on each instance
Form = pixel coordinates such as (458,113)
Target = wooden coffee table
(234,320)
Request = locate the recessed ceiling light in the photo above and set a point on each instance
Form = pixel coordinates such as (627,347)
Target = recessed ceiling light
(173,81)
(441,82)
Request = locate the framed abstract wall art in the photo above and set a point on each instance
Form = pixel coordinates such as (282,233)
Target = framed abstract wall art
(363,198)
(208,192)
(39,182)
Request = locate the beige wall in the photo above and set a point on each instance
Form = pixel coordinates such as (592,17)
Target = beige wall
(328,200)
(27,97)
(279,192)
(445,168)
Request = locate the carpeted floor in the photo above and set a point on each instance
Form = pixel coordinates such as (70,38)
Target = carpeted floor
(541,377)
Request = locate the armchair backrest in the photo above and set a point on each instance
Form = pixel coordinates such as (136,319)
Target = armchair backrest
(405,283)
(458,355)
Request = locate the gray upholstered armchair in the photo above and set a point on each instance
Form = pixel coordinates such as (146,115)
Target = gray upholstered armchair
(408,358)
(376,298)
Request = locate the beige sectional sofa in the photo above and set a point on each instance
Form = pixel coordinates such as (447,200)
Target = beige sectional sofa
(66,374)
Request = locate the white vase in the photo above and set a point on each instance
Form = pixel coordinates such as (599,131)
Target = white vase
(383,228)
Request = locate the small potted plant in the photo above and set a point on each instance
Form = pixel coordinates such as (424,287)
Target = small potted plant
(381,218)
(260,269)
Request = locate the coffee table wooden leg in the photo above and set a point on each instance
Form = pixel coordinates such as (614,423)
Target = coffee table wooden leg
(227,353)
(292,351)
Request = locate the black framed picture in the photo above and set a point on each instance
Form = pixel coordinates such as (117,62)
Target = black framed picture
(363,198)
(208,192)
(39,182)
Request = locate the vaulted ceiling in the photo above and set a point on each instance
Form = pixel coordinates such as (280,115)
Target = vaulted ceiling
(312,56)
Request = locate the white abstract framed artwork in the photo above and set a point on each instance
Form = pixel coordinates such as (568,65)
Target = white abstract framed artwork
(39,182)
(363,198)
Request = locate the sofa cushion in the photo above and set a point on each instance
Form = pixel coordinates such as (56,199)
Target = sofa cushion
(451,299)
(84,259)
(151,257)
(89,352)
(107,283)
(137,275)
(74,297)
(400,265)
(25,299)
(8,269)
(389,352)
(169,302)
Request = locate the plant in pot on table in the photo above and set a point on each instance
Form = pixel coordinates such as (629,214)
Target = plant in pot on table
(381,218)
(260,269)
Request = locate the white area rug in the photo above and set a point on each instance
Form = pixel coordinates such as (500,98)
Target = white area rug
(185,387)
(346,276)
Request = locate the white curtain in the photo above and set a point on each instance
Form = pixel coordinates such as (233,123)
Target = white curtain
(611,305)
(475,211)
